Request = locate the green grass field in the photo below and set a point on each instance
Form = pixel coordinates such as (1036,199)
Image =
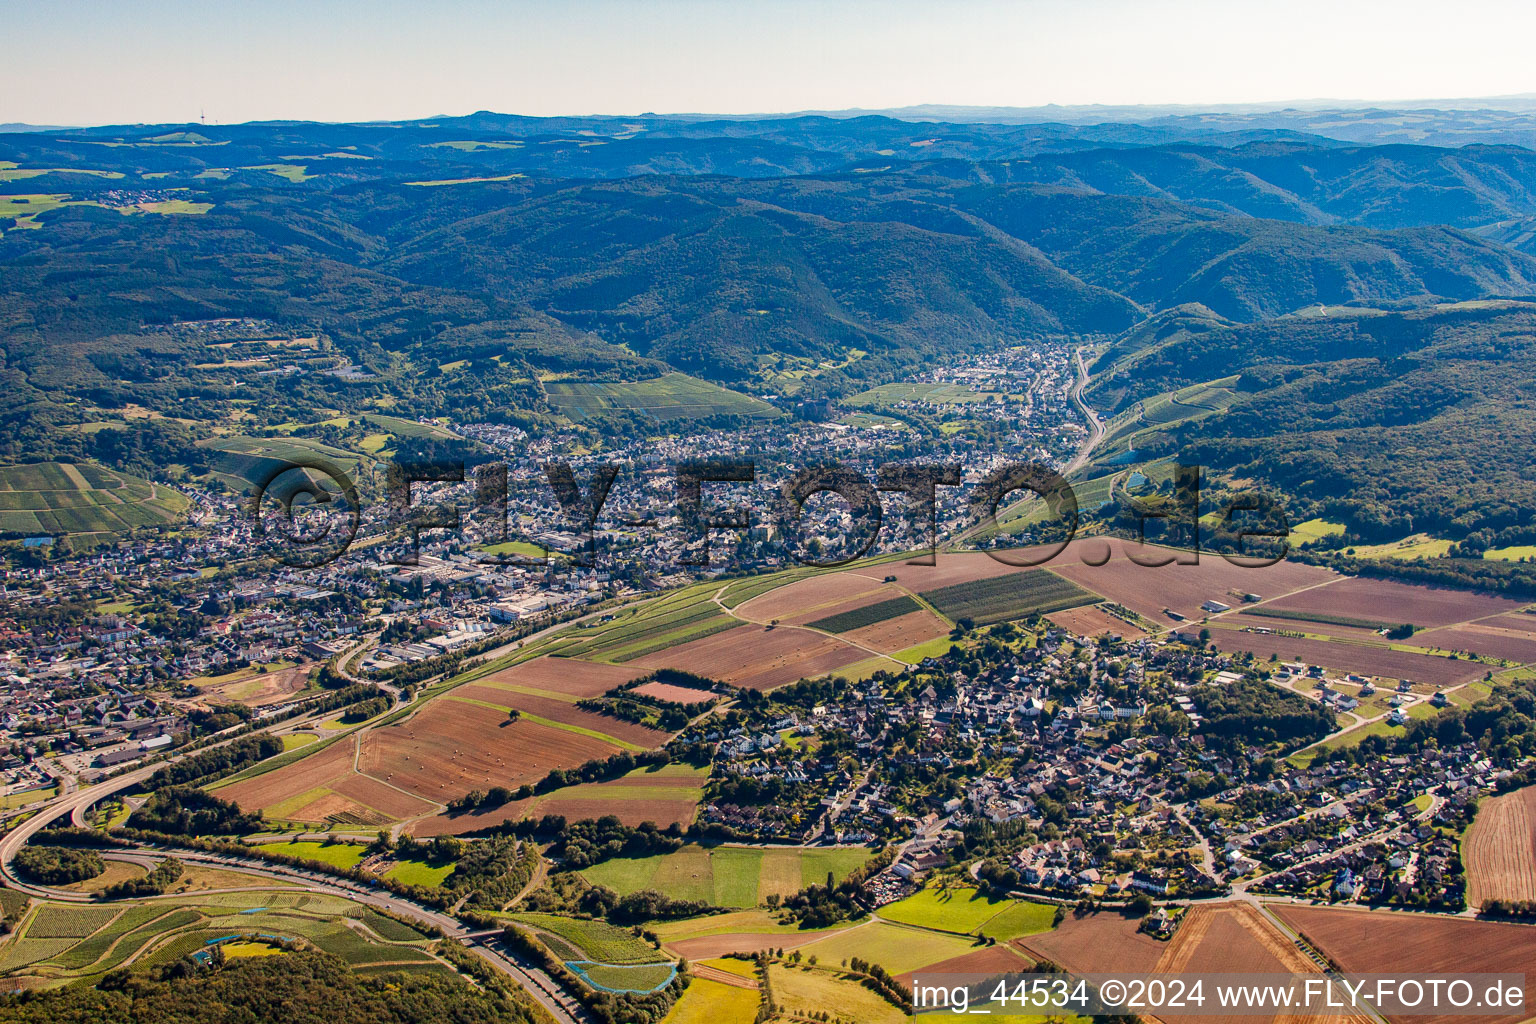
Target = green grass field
(463,181)
(967,912)
(805,990)
(22,210)
(1315,529)
(895,947)
(738,921)
(1419,545)
(69,498)
(1013,596)
(726,876)
(688,614)
(634,978)
(1517,553)
(419,872)
(522,548)
(935,648)
(291,172)
(675,396)
(338,855)
(710,1002)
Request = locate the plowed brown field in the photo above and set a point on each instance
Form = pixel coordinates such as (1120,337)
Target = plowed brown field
(1351,657)
(1386,601)
(757,657)
(1427,945)
(1500,849)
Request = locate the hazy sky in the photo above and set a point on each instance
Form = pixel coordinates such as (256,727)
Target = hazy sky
(92,62)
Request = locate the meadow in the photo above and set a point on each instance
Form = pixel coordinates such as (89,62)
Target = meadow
(967,912)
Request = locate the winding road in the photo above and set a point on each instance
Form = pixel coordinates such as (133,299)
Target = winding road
(486,944)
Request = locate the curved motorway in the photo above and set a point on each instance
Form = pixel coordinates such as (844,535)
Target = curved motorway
(488,945)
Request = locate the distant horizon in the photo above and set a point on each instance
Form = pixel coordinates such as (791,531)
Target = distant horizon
(94,63)
(1515,103)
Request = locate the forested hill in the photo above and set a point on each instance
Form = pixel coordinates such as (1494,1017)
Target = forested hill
(1390,422)
(1340,282)
(712,275)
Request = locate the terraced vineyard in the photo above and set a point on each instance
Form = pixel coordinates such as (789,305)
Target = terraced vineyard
(74,499)
(248,462)
(70,943)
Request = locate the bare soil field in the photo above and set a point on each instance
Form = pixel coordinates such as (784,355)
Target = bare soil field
(1234,938)
(1500,849)
(449,748)
(1361,597)
(1258,619)
(1226,937)
(1182,588)
(1090,620)
(815,597)
(899,633)
(950,568)
(706,947)
(1106,941)
(323,787)
(331,805)
(991,960)
(257,689)
(1343,656)
(1394,942)
(657,797)
(1482,638)
(674,694)
(373,794)
(1519,622)
(562,711)
(757,657)
(578,679)
(312,775)
(659,812)
(459,824)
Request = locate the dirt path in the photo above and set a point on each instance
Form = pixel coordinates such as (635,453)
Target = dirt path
(818,632)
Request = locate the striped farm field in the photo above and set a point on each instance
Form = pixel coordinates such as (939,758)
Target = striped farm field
(727,876)
(1500,849)
(62,498)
